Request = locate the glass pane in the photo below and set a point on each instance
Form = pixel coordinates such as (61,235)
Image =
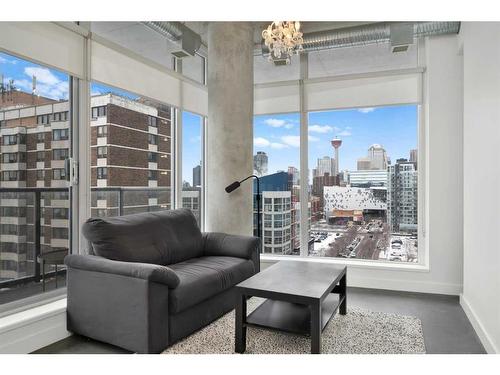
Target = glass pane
(276,162)
(35,141)
(130,153)
(192,128)
(363,196)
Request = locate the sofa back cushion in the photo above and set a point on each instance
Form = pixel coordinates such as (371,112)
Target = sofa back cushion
(162,237)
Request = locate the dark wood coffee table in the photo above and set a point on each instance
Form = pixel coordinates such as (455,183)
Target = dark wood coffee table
(302,297)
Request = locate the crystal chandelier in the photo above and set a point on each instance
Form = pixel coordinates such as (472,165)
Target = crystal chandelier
(283,38)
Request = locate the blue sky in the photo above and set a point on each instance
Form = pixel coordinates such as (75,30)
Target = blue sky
(395,128)
(191,144)
(50,83)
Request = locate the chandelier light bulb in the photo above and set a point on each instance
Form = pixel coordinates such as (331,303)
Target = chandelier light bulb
(283,38)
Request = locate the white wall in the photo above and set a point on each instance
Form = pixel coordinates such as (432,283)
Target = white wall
(481,295)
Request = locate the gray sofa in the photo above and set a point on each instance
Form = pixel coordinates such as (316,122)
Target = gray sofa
(154,278)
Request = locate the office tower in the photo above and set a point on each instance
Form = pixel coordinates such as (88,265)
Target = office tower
(377,156)
(325,165)
(402,196)
(368,178)
(260,162)
(191,197)
(197,176)
(293,176)
(414,156)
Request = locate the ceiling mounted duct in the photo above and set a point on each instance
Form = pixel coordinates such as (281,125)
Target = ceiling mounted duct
(188,41)
(369,34)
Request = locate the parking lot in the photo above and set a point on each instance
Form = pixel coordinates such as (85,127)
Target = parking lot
(371,240)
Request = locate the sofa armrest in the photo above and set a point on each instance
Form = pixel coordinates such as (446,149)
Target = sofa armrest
(146,271)
(222,244)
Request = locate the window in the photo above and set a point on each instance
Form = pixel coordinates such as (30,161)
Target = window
(152,157)
(102,152)
(60,213)
(10,158)
(102,173)
(52,92)
(60,153)
(60,116)
(276,162)
(98,111)
(102,131)
(60,134)
(9,140)
(40,137)
(152,121)
(3,123)
(153,139)
(192,132)
(13,175)
(59,174)
(363,183)
(60,233)
(152,175)
(43,119)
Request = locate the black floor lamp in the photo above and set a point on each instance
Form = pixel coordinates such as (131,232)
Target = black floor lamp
(236,184)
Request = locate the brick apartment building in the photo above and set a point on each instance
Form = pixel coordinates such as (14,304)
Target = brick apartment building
(130,150)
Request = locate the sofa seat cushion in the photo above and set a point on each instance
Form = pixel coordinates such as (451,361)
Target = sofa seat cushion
(204,277)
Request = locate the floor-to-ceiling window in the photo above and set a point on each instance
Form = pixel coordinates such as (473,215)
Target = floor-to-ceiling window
(192,163)
(131,153)
(276,161)
(363,183)
(35,142)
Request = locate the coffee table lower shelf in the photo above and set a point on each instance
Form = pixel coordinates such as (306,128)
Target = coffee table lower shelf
(291,317)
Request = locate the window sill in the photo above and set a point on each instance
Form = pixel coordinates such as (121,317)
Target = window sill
(374,265)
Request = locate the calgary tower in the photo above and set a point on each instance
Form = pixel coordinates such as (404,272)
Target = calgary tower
(336,143)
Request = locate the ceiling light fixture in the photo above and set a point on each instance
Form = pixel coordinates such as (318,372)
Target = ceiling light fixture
(283,38)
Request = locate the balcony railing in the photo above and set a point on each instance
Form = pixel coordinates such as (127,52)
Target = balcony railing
(36,221)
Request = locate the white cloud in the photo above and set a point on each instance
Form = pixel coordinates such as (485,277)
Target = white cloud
(3,60)
(274,122)
(344,133)
(47,84)
(313,138)
(291,140)
(278,146)
(366,110)
(321,128)
(278,123)
(261,142)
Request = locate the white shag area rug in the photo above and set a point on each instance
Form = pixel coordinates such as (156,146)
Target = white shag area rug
(358,332)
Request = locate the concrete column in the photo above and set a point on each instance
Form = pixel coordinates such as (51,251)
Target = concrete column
(230,127)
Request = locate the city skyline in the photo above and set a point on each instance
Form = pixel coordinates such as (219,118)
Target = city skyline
(394,127)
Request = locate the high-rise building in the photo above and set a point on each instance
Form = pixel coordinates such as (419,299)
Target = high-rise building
(191,200)
(293,176)
(130,148)
(197,176)
(375,160)
(326,165)
(280,215)
(377,156)
(414,156)
(402,196)
(260,162)
(368,178)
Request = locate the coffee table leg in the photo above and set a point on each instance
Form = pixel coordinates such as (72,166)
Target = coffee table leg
(240,327)
(315,327)
(343,293)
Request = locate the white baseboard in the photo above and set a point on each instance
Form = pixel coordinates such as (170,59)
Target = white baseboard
(33,329)
(404,285)
(485,338)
